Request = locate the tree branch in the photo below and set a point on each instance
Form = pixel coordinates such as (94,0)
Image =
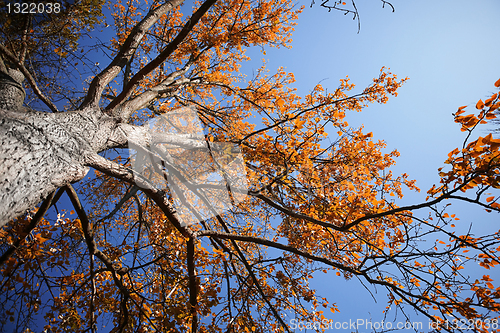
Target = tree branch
(3,68)
(167,51)
(266,242)
(348,226)
(88,234)
(125,54)
(143,99)
(159,197)
(28,77)
(193,288)
(24,49)
(47,203)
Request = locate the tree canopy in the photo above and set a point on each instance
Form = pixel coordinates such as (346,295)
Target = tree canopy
(245,189)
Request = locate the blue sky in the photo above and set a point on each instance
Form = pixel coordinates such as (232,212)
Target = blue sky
(449,49)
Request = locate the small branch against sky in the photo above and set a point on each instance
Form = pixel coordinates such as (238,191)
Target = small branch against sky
(340,6)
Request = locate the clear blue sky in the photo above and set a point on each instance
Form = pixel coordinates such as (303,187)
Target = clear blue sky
(449,49)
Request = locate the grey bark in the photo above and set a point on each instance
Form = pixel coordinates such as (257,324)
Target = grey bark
(12,92)
(41,151)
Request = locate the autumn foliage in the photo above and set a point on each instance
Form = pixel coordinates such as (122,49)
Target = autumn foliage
(322,198)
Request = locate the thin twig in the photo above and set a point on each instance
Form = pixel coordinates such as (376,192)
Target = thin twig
(29,77)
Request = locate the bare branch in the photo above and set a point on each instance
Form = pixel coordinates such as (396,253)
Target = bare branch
(169,85)
(89,239)
(266,242)
(159,197)
(388,3)
(3,68)
(28,76)
(167,51)
(348,226)
(193,288)
(126,52)
(24,49)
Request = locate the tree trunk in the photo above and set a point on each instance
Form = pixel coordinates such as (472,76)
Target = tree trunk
(41,151)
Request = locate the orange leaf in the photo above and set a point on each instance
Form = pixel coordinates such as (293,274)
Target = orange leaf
(299,123)
(490,100)
(40,238)
(490,116)
(490,199)
(479,104)
(497,84)
(486,139)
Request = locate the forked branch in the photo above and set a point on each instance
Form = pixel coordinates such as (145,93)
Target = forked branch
(126,52)
(167,51)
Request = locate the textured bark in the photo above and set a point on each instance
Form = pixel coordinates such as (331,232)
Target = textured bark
(41,151)
(11,90)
